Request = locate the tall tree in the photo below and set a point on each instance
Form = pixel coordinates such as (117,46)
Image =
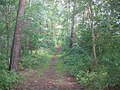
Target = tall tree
(15,51)
(68,17)
(72,29)
(93,32)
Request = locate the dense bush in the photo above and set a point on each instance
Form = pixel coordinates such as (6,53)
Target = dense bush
(79,62)
(93,78)
(7,78)
(35,60)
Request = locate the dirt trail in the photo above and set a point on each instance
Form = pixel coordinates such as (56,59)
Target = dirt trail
(50,80)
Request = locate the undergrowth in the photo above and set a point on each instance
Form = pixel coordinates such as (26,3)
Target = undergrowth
(7,78)
(105,75)
(36,61)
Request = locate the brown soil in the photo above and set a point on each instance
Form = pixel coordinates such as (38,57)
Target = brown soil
(50,80)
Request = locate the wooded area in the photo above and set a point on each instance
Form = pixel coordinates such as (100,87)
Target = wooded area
(81,37)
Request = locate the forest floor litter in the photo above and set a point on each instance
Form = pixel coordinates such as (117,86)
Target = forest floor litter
(49,80)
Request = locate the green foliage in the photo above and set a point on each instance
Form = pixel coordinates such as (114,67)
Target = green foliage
(7,79)
(92,81)
(79,59)
(37,60)
(8,13)
(47,24)
(59,66)
(80,65)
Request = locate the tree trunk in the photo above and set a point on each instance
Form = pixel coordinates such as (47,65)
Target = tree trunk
(93,34)
(15,51)
(72,29)
(69,24)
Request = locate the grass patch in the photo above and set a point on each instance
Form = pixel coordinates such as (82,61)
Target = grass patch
(60,69)
(43,68)
(36,61)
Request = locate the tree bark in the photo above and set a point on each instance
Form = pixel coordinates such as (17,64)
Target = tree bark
(72,29)
(69,24)
(15,51)
(93,33)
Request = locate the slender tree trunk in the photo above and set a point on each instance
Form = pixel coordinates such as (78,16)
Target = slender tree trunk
(69,24)
(93,33)
(72,29)
(15,51)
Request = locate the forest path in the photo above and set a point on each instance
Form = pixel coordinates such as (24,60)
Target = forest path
(50,80)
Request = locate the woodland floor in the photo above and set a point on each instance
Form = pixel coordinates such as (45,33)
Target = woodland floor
(49,80)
